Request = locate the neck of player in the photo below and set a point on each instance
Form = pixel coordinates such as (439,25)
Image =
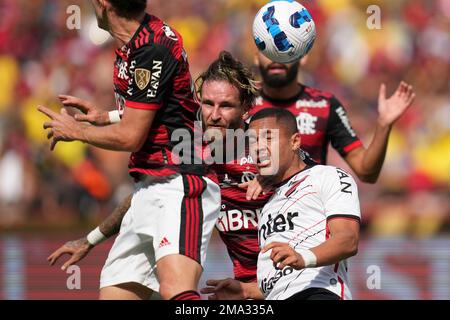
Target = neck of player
(296,166)
(123,30)
(284,93)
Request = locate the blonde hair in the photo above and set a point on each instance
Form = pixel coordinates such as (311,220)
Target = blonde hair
(227,68)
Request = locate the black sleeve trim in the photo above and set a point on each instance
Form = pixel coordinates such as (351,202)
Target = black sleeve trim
(344,216)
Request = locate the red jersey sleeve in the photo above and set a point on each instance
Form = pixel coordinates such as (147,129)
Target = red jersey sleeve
(153,69)
(339,131)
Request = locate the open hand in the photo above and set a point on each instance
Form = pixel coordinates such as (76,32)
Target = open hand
(78,249)
(391,109)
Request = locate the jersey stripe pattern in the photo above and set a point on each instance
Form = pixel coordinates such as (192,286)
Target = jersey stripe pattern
(298,214)
(238,219)
(151,72)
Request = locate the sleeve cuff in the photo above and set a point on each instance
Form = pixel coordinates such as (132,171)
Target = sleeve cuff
(344,216)
(352,146)
(142,105)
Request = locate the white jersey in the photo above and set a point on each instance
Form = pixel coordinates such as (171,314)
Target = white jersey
(297,214)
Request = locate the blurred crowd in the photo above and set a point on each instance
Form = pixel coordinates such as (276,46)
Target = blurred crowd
(40,57)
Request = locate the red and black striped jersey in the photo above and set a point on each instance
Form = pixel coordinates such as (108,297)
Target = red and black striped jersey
(152,72)
(238,220)
(321,119)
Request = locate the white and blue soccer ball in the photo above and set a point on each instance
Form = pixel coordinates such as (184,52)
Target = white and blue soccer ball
(284,31)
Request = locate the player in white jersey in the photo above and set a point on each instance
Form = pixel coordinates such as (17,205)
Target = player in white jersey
(309,226)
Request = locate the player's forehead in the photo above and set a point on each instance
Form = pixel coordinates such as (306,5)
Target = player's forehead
(217,90)
(265,127)
(267,123)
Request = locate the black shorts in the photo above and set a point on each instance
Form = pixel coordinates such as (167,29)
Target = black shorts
(315,294)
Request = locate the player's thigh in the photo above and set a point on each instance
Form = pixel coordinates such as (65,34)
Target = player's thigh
(126,291)
(188,209)
(131,258)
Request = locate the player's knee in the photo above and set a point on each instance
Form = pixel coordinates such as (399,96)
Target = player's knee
(169,290)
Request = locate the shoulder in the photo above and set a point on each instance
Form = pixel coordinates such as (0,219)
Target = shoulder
(156,38)
(326,174)
(320,97)
(317,93)
(166,37)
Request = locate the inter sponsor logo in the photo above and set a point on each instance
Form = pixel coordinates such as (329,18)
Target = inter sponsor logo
(281,223)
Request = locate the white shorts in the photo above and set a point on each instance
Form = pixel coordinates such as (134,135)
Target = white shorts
(176,217)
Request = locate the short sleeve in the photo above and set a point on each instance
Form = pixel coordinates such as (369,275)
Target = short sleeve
(340,132)
(153,69)
(339,194)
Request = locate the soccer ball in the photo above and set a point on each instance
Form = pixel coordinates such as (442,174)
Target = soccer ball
(284,31)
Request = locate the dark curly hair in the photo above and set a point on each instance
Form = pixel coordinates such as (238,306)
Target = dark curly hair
(128,8)
(227,68)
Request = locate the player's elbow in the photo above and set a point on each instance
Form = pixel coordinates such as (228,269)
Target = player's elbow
(367,176)
(351,245)
(353,251)
(348,243)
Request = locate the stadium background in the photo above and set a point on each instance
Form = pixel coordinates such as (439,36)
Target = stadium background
(49,198)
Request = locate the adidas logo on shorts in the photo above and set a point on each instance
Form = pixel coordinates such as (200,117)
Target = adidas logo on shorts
(164,242)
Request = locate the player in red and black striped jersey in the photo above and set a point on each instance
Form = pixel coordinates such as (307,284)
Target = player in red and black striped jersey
(152,73)
(227,92)
(322,119)
(238,220)
(163,241)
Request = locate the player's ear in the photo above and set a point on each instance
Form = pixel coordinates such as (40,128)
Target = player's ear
(296,141)
(303,61)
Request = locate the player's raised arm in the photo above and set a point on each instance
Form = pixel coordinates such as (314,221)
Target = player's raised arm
(145,96)
(367,163)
